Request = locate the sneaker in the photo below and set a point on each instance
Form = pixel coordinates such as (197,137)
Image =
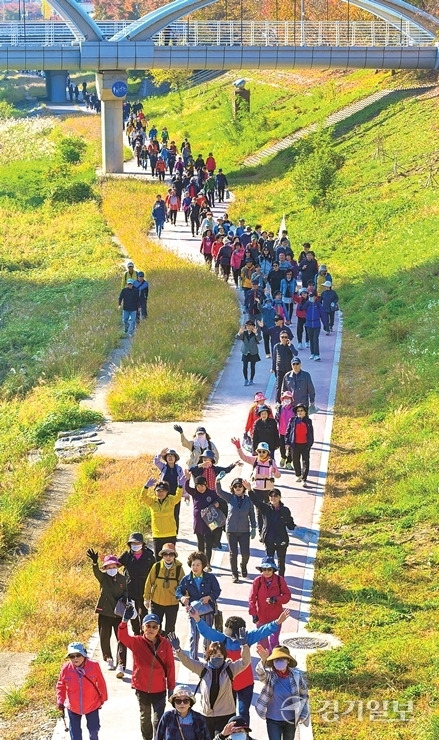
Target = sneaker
(316,358)
(288,466)
(245,382)
(282,462)
(311,357)
(110,664)
(307,345)
(268,357)
(120,671)
(299,479)
(328,333)
(244,571)
(305,484)
(235,579)
(250,382)
(300,345)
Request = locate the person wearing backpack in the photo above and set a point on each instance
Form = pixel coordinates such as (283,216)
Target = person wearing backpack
(217,702)
(200,442)
(137,562)
(240,524)
(162,582)
(202,587)
(153,669)
(276,521)
(166,461)
(268,595)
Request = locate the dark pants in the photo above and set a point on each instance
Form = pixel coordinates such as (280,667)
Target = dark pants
(92,720)
(143,309)
(208,260)
(244,697)
(236,275)
(246,361)
(300,327)
(266,342)
(150,703)
(161,175)
(314,340)
(226,272)
(169,613)
(211,198)
(301,452)
(173,217)
(177,514)
(205,542)
(221,191)
(283,453)
(158,543)
(280,374)
(329,325)
(278,730)
(241,539)
(216,724)
(195,226)
(281,551)
(105,625)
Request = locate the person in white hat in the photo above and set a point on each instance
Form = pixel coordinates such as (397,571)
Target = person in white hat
(81,689)
(182,721)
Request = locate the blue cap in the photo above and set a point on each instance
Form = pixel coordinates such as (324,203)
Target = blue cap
(151,618)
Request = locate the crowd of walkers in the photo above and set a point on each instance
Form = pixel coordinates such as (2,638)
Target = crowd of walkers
(146,587)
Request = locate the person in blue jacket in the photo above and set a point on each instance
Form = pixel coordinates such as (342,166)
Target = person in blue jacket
(329,299)
(315,316)
(201,587)
(159,215)
(288,288)
(243,683)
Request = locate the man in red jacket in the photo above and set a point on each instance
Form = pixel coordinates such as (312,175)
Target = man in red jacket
(153,669)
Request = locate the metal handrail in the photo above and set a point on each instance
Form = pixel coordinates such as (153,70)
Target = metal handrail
(232,33)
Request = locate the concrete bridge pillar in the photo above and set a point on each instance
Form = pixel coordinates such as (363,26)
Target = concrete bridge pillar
(112,89)
(56,85)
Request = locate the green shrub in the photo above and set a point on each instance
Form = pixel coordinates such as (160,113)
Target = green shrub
(67,416)
(72,192)
(72,149)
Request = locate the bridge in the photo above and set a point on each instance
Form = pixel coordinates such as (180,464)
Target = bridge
(402,38)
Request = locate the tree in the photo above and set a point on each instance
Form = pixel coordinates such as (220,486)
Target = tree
(316,168)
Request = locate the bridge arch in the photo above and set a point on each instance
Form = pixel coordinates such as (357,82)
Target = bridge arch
(80,23)
(392,11)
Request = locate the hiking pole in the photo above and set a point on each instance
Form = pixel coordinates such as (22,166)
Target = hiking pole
(66,729)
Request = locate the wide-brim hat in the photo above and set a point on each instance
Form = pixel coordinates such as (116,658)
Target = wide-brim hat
(262,447)
(181,692)
(173,452)
(280,653)
(208,454)
(260,409)
(267,563)
(169,547)
(111,560)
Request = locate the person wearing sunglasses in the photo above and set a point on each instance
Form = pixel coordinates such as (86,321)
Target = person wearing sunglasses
(153,669)
(81,689)
(182,722)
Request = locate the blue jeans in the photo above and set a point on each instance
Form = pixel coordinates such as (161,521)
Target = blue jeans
(129,321)
(278,730)
(244,697)
(158,228)
(92,719)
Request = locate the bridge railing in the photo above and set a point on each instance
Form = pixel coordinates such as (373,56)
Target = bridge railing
(231,33)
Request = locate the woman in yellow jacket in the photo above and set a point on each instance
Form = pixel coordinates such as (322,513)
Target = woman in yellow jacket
(163,579)
(161,506)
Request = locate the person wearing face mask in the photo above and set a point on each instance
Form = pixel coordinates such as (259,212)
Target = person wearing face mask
(201,441)
(315,316)
(161,584)
(265,430)
(202,497)
(283,417)
(263,474)
(182,721)
(161,506)
(240,524)
(166,461)
(300,438)
(202,587)
(253,416)
(82,690)
(243,683)
(283,701)
(276,521)
(137,562)
(216,674)
(237,728)
(153,669)
(268,595)
(113,586)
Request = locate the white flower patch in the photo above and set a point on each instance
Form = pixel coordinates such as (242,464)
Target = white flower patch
(25,139)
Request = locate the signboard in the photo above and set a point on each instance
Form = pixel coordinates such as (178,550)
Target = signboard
(119,89)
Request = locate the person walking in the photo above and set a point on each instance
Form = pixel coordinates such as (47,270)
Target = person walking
(137,562)
(142,286)
(162,582)
(153,669)
(182,721)
(243,683)
(240,524)
(216,676)
(300,299)
(299,382)
(113,587)
(166,461)
(129,303)
(200,442)
(201,588)
(221,185)
(81,689)
(300,438)
(315,315)
(276,521)
(283,701)
(265,430)
(158,213)
(250,338)
(329,300)
(202,497)
(268,594)
(284,415)
(161,505)
(283,353)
